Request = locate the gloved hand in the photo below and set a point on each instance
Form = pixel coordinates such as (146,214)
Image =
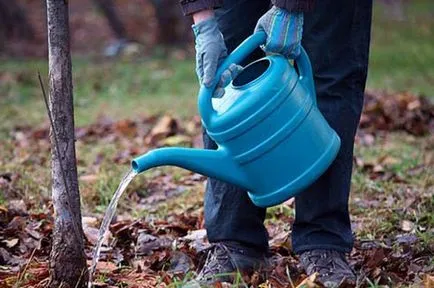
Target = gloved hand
(284,31)
(210,50)
(227,76)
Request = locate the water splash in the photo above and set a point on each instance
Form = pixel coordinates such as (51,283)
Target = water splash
(110,212)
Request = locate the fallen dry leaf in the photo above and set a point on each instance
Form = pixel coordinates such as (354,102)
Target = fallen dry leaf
(428,281)
(17,207)
(309,282)
(374,258)
(90,178)
(180,263)
(388,160)
(89,221)
(166,126)
(407,226)
(195,235)
(401,111)
(104,267)
(281,240)
(127,128)
(177,140)
(93,233)
(146,243)
(3,209)
(11,242)
(4,256)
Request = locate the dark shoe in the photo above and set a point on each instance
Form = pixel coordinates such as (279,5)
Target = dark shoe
(224,261)
(332,267)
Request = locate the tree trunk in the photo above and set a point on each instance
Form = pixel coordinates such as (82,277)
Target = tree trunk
(67,260)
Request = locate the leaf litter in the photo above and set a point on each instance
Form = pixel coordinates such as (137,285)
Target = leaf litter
(161,250)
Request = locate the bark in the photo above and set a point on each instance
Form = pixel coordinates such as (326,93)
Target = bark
(67,260)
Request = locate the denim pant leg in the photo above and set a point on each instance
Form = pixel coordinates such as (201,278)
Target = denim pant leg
(336,37)
(229,213)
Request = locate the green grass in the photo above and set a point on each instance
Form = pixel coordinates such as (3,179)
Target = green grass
(123,89)
(402,52)
(382,204)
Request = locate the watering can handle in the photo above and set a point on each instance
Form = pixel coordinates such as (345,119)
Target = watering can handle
(237,56)
(305,73)
(249,45)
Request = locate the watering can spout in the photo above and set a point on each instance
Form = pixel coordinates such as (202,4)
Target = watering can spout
(212,163)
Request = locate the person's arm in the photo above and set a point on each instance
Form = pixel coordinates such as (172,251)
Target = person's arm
(190,7)
(284,31)
(202,15)
(210,45)
(295,5)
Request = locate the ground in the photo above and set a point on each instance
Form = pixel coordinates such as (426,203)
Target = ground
(127,106)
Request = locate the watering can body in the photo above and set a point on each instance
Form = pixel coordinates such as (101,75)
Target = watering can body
(273,141)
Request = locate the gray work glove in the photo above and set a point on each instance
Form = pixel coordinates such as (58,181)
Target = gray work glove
(284,31)
(210,52)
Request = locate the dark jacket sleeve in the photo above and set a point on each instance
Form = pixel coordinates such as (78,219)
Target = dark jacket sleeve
(295,5)
(191,6)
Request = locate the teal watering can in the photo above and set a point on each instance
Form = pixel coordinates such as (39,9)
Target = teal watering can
(273,141)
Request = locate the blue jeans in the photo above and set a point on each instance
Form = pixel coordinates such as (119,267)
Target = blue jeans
(336,36)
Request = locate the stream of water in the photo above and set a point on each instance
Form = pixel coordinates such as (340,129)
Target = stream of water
(110,212)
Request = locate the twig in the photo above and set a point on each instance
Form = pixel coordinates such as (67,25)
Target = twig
(56,145)
(79,278)
(289,277)
(25,268)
